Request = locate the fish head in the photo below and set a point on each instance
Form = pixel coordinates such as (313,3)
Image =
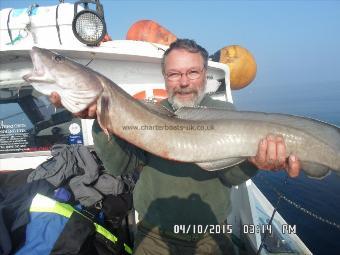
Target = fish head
(77,85)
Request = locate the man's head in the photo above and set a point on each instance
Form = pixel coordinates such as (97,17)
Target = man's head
(184,66)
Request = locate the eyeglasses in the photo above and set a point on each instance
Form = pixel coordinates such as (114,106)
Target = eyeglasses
(191,74)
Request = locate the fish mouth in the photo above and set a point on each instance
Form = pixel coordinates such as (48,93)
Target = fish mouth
(34,78)
(38,74)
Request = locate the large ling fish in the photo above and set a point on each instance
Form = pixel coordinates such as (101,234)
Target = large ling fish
(210,138)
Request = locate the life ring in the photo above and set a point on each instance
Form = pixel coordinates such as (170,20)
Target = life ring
(154,95)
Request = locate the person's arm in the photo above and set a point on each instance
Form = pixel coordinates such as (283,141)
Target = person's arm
(118,156)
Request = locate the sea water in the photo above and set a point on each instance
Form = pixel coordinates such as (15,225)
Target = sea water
(321,197)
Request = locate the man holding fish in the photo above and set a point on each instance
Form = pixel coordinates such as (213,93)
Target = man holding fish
(174,198)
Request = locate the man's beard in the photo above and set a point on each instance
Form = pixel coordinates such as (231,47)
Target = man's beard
(194,102)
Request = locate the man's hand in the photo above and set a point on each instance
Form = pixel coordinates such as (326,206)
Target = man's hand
(271,155)
(89,113)
(55,99)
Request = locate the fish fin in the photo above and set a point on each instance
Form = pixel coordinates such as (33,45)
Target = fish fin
(328,133)
(107,133)
(105,130)
(200,113)
(102,112)
(314,170)
(219,164)
(158,108)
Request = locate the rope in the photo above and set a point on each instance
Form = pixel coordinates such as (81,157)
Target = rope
(271,219)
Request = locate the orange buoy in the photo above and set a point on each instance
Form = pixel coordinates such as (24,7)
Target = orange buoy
(241,63)
(157,95)
(150,31)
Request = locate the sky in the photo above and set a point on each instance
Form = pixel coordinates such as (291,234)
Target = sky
(296,44)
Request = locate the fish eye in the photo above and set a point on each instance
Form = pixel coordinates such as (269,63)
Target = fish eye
(58,58)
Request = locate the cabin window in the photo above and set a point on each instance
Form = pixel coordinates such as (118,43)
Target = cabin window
(29,122)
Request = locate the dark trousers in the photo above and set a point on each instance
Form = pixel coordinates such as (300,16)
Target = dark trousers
(153,241)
